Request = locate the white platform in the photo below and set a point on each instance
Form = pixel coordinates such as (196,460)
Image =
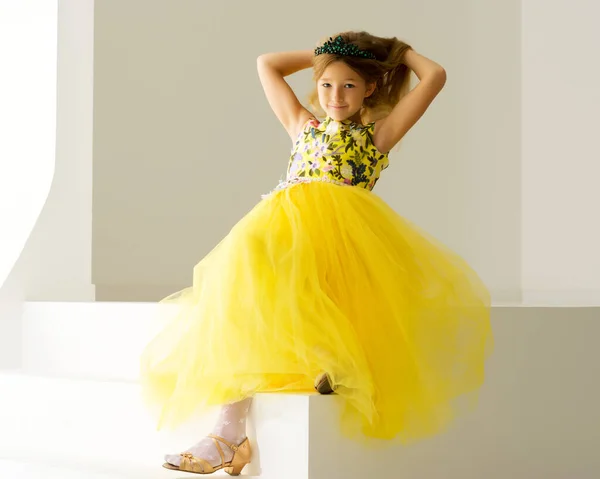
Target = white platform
(75,406)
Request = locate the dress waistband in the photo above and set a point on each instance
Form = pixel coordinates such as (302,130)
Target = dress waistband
(303,179)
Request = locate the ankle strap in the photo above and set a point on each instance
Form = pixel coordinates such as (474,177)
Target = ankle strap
(233,447)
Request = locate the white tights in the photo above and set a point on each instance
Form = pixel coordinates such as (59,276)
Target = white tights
(231,426)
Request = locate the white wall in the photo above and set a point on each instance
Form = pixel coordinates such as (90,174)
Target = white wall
(561,154)
(478,170)
(57,257)
(55,261)
(28,32)
(185,143)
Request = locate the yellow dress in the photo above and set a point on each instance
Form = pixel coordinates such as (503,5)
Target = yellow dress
(323,276)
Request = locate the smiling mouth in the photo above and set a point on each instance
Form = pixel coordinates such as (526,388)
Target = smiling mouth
(338,107)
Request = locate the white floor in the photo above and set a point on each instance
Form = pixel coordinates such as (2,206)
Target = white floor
(25,470)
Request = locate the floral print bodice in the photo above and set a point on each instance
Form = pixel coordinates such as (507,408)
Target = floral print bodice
(341,152)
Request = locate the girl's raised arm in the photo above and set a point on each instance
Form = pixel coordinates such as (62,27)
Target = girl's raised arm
(390,130)
(272,70)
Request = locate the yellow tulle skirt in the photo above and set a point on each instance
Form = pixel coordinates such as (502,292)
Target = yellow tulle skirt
(321,278)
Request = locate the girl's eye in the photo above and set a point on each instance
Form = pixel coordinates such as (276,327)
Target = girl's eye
(347,85)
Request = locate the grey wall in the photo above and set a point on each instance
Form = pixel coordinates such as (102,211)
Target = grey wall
(185,143)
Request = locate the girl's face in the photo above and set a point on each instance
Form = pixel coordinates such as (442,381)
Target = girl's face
(342,91)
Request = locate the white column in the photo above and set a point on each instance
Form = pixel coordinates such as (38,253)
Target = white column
(57,259)
(560,152)
(28,47)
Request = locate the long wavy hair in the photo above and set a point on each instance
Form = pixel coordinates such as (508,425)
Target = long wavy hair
(390,75)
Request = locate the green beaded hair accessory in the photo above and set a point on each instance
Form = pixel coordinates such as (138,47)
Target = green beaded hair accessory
(340,47)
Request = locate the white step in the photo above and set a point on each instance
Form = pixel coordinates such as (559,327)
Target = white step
(538,414)
(88,340)
(102,426)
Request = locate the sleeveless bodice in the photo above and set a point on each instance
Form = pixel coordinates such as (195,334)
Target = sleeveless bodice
(340,152)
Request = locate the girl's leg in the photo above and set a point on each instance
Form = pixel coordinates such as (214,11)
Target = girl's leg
(231,426)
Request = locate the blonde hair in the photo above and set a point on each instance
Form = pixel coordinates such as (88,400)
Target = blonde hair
(390,75)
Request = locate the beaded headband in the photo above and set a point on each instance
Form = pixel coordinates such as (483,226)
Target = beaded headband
(340,47)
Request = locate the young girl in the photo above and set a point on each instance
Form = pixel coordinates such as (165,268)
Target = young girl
(322,285)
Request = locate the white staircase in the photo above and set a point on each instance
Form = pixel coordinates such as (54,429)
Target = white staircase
(74,407)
